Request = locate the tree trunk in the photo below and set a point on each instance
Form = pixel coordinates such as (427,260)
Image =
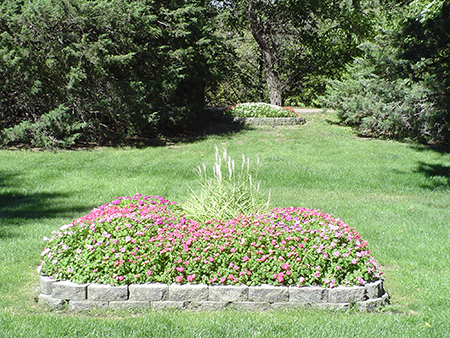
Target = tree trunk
(272,79)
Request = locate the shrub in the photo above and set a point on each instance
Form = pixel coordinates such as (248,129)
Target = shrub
(259,109)
(147,239)
(227,193)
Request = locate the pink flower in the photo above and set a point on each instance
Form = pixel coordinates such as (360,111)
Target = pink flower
(338,267)
(301,280)
(354,261)
(190,278)
(245,258)
(180,269)
(127,239)
(122,250)
(179,279)
(285,266)
(149,272)
(280,277)
(69,270)
(336,254)
(120,278)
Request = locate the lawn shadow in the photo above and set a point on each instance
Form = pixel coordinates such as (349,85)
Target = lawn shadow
(438,175)
(214,125)
(17,208)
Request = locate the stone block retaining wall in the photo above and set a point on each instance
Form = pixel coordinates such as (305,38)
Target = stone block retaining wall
(203,297)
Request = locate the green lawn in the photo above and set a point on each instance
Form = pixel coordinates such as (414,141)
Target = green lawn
(396,195)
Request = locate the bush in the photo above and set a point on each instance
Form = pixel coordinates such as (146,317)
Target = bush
(377,106)
(259,110)
(147,239)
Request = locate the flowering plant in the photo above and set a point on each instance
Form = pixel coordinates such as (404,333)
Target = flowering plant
(259,109)
(147,239)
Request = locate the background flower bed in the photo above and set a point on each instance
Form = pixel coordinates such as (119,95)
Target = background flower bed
(259,109)
(146,239)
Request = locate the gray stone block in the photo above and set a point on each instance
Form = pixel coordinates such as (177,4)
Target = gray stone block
(268,293)
(106,293)
(310,294)
(331,306)
(148,292)
(344,294)
(69,290)
(375,289)
(288,305)
(188,292)
(46,285)
(85,305)
(251,306)
(53,303)
(129,304)
(228,293)
(206,306)
(162,305)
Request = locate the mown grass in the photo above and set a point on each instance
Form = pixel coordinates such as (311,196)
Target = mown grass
(396,195)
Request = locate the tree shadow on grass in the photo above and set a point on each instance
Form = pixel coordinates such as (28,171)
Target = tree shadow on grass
(438,175)
(17,208)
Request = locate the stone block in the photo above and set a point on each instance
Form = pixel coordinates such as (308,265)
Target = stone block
(148,292)
(228,293)
(85,305)
(344,294)
(375,289)
(106,293)
(188,292)
(69,290)
(251,306)
(288,305)
(206,306)
(331,306)
(53,303)
(162,305)
(46,285)
(310,294)
(268,293)
(129,304)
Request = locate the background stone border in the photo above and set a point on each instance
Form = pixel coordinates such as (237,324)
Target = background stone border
(202,297)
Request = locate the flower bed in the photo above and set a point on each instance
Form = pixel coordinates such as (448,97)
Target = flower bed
(136,240)
(259,109)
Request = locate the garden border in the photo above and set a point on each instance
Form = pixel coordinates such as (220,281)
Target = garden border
(202,297)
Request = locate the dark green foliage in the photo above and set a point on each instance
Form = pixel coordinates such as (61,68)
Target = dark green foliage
(400,88)
(101,70)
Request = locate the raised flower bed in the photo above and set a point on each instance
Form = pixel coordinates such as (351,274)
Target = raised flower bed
(144,243)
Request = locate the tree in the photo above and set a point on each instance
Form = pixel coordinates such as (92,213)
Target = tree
(98,70)
(299,39)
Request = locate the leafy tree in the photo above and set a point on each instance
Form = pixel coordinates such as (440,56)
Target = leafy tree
(299,40)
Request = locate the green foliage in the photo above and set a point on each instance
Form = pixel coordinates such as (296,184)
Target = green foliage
(111,64)
(228,193)
(385,94)
(259,109)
